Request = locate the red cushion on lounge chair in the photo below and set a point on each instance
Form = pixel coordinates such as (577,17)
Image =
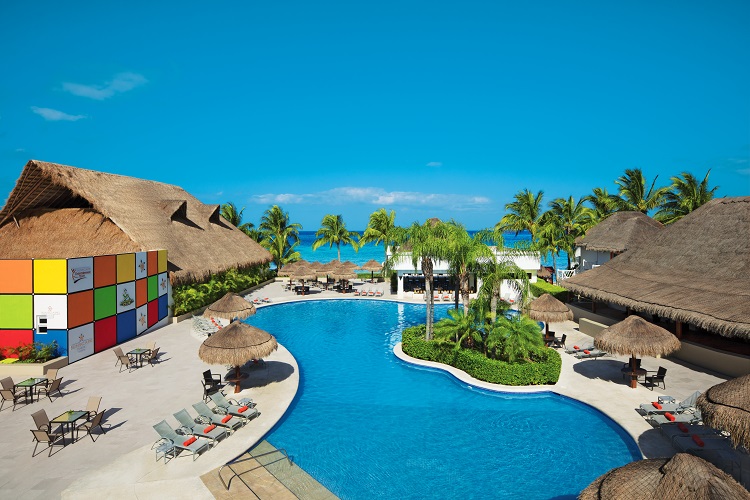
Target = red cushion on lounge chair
(669,416)
(656,405)
(242,409)
(586,351)
(576,347)
(189,441)
(698,440)
(209,429)
(682,427)
(226,419)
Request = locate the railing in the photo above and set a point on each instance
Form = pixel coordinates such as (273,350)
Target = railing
(563,274)
(240,459)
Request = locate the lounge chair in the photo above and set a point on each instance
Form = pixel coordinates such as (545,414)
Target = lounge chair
(212,431)
(50,388)
(577,349)
(187,443)
(266,300)
(681,429)
(446,298)
(592,354)
(203,326)
(206,416)
(706,442)
(657,378)
(378,293)
(356,293)
(50,438)
(685,417)
(687,404)
(231,407)
(10,396)
(89,425)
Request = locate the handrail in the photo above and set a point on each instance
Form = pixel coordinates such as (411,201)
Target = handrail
(251,457)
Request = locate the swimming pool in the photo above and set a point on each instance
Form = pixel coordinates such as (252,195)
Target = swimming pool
(367,425)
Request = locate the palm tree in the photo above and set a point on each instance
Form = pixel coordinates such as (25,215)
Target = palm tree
(381,229)
(633,195)
(570,219)
(501,269)
(602,204)
(280,236)
(333,232)
(462,326)
(685,195)
(523,214)
(464,252)
(234,217)
(520,336)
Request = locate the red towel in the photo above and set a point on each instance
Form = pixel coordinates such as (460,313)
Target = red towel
(669,416)
(586,351)
(189,441)
(698,440)
(576,347)
(656,405)
(683,427)
(209,429)
(242,409)
(226,419)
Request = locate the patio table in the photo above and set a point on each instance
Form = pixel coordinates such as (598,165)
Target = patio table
(68,420)
(29,387)
(139,354)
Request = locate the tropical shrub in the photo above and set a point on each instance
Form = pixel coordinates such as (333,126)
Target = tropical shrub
(33,352)
(191,297)
(541,287)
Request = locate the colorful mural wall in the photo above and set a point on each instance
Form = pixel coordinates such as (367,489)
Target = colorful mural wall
(86,304)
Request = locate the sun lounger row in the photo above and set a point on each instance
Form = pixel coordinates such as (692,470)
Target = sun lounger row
(257,300)
(368,293)
(666,404)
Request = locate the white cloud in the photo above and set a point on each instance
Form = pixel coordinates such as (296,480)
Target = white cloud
(435,164)
(122,82)
(54,115)
(744,171)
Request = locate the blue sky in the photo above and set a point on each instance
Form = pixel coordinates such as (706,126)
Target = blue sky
(429,108)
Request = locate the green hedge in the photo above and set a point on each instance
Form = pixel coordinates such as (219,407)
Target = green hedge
(545,368)
(541,287)
(194,296)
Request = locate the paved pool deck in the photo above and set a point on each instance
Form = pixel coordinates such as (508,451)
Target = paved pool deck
(121,463)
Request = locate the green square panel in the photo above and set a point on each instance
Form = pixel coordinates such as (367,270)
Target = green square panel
(105,302)
(16,311)
(153,287)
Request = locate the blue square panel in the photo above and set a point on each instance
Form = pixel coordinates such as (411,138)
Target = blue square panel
(163,307)
(125,326)
(61,336)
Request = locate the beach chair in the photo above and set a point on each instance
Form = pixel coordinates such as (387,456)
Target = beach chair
(559,341)
(577,349)
(50,388)
(206,416)
(687,404)
(378,293)
(203,326)
(668,418)
(50,438)
(657,378)
(446,298)
(188,426)
(356,293)
(89,425)
(681,429)
(232,407)
(266,300)
(592,354)
(179,443)
(370,293)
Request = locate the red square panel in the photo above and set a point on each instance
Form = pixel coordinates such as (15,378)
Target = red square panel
(153,312)
(14,338)
(105,270)
(105,333)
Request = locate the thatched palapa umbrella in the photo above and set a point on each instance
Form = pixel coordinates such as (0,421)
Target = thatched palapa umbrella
(727,406)
(682,476)
(288,269)
(303,273)
(235,345)
(550,310)
(231,306)
(372,265)
(636,336)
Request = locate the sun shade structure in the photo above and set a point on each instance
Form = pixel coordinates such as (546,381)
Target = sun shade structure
(619,232)
(683,476)
(550,310)
(235,345)
(694,271)
(637,337)
(288,269)
(372,265)
(726,406)
(231,306)
(57,211)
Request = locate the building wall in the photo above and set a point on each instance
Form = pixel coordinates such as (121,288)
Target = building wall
(89,303)
(586,258)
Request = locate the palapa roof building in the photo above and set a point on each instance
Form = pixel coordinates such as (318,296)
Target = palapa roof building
(693,271)
(619,232)
(57,211)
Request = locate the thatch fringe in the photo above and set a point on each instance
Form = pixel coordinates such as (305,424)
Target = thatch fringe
(635,335)
(727,406)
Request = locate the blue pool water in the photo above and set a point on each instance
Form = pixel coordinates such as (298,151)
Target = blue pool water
(367,425)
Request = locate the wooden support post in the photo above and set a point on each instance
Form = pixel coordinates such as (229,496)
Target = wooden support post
(678,329)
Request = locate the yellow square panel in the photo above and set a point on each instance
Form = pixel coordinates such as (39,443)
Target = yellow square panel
(162,265)
(125,267)
(50,276)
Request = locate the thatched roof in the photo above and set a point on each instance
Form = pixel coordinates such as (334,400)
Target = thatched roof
(727,406)
(694,272)
(371,265)
(237,344)
(683,476)
(230,306)
(619,232)
(548,309)
(288,269)
(108,214)
(636,336)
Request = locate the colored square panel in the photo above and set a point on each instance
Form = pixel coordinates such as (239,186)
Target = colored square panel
(59,336)
(14,338)
(141,292)
(16,312)
(153,287)
(153,313)
(141,319)
(105,270)
(50,276)
(163,284)
(55,310)
(80,309)
(80,274)
(105,302)
(163,307)
(153,263)
(161,264)
(126,267)
(141,263)
(125,296)
(126,326)
(80,342)
(16,276)
(105,333)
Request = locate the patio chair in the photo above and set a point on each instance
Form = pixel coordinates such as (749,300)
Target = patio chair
(592,354)
(126,362)
(151,346)
(89,425)
(686,418)
(41,420)
(206,416)
(10,396)
(656,379)
(577,349)
(118,352)
(50,388)
(153,357)
(50,438)
(226,407)
(93,406)
(687,404)
(559,341)
(212,431)
(52,373)
(191,444)
(8,384)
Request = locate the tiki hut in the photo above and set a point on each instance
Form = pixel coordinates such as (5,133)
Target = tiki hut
(372,265)
(550,310)
(619,232)
(235,345)
(694,272)
(231,306)
(726,406)
(683,476)
(56,211)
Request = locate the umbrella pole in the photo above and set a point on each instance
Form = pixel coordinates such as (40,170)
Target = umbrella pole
(237,375)
(633,374)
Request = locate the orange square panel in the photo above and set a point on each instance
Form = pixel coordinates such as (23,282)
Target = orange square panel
(105,270)
(153,263)
(15,276)
(80,308)
(141,292)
